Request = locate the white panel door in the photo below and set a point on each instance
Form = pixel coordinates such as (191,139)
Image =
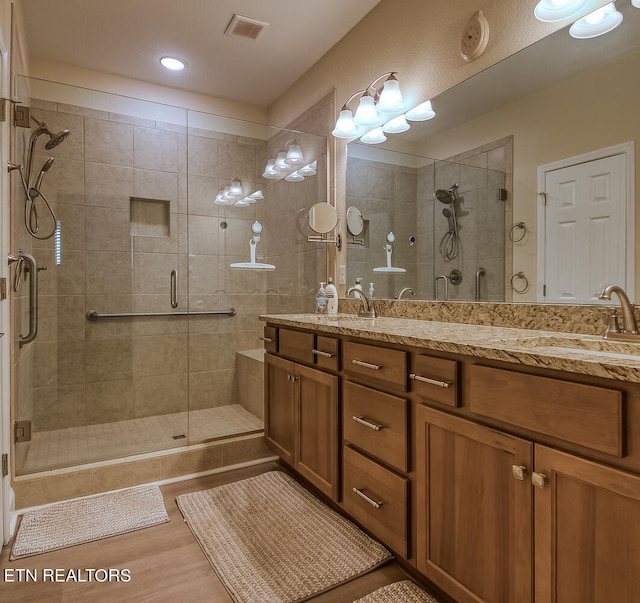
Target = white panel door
(585,230)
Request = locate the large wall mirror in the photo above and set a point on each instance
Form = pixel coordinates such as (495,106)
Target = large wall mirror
(465,225)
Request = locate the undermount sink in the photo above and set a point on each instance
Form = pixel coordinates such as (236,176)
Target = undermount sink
(579,345)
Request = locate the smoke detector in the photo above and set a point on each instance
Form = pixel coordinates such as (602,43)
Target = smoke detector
(245,28)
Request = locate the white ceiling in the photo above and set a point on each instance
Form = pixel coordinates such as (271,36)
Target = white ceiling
(128,37)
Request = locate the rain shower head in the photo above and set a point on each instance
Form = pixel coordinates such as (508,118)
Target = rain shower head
(56,139)
(448,195)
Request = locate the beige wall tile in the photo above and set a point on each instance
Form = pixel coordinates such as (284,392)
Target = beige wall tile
(203,156)
(59,407)
(153,184)
(204,352)
(107,229)
(161,394)
(210,389)
(109,401)
(108,185)
(108,142)
(155,149)
(108,359)
(160,355)
(108,272)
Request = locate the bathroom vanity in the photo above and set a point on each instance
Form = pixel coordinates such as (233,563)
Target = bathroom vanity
(503,464)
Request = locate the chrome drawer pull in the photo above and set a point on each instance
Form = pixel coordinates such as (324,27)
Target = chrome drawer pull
(366,423)
(373,367)
(427,380)
(267,339)
(321,353)
(372,502)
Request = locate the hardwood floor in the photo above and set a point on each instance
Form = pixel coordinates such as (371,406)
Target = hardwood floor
(165,563)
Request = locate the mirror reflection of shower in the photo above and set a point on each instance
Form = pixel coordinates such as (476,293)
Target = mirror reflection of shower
(450,242)
(32,188)
(389,250)
(252,264)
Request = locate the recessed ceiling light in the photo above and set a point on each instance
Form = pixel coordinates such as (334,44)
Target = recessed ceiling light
(172,63)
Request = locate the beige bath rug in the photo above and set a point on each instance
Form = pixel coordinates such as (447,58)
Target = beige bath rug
(87,519)
(268,539)
(405,591)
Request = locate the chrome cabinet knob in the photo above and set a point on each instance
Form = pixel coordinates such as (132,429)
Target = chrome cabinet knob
(519,472)
(539,480)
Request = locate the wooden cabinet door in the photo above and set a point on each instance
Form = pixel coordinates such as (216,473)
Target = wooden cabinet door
(317,421)
(279,419)
(474,519)
(587,531)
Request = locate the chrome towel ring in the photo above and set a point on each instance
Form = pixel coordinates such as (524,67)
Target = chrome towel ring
(523,227)
(522,278)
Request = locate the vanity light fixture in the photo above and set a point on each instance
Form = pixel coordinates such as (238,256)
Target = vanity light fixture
(396,125)
(286,161)
(635,3)
(309,170)
(374,103)
(551,11)
(597,23)
(375,136)
(172,63)
(234,195)
(421,112)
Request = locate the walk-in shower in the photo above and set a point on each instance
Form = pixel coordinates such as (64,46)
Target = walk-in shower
(147,339)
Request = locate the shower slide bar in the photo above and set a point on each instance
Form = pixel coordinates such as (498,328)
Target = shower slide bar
(95,315)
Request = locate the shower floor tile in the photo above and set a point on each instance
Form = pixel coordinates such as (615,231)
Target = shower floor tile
(77,445)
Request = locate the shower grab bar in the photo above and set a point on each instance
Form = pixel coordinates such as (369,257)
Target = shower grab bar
(174,288)
(31,268)
(95,315)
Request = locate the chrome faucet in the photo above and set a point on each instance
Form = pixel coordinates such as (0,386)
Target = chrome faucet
(405,290)
(367,310)
(630,326)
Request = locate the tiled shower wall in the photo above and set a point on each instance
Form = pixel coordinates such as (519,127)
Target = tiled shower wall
(387,196)
(401,199)
(94,372)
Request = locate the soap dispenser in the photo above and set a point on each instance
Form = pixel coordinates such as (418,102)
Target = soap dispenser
(321,300)
(332,298)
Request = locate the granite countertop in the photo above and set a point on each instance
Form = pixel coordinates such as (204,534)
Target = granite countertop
(572,352)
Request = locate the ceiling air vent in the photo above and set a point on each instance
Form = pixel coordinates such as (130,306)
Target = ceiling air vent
(245,28)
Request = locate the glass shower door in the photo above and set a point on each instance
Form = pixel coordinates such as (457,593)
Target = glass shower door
(106,376)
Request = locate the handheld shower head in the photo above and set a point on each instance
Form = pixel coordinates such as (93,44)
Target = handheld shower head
(46,166)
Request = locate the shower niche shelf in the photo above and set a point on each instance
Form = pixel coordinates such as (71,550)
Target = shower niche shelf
(149,217)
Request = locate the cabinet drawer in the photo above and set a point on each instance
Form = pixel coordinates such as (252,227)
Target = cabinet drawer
(376,423)
(270,338)
(383,365)
(435,379)
(296,345)
(377,498)
(586,415)
(326,353)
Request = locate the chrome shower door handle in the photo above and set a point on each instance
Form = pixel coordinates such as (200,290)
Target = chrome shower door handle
(174,288)
(32,269)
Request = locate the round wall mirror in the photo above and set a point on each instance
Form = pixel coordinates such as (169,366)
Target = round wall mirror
(355,222)
(322,217)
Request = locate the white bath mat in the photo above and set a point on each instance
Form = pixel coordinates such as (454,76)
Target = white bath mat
(87,519)
(269,539)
